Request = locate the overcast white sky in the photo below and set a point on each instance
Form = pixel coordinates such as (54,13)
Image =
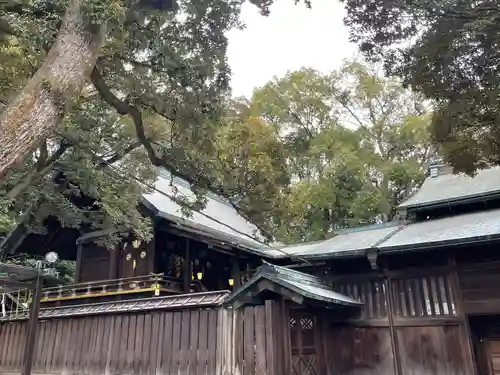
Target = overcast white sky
(290,38)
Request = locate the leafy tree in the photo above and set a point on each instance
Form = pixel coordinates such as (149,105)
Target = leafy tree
(87,87)
(164,56)
(393,124)
(355,145)
(448,51)
(65,179)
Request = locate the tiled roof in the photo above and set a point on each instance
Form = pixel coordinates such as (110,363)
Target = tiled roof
(456,228)
(465,227)
(348,242)
(305,285)
(450,187)
(219,218)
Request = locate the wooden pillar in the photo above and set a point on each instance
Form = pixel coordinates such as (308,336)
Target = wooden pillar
(235,272)
(78,266)
(392,329)
(31,336)
(113,261)
(187,267)
(457,293)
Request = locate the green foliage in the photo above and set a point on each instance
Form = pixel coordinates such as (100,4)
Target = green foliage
(111,196)
(353,146)
(309,153)
(168,62)
(448,51)
(65,269)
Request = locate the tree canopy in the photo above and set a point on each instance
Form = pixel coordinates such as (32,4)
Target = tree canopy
(167,57)
(307,154)
(89,87)
(447,51)
(117,89)
(354,145)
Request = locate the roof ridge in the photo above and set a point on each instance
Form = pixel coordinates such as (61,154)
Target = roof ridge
(302,276)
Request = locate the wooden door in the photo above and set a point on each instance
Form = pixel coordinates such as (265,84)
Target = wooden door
(304,340)
(493,355)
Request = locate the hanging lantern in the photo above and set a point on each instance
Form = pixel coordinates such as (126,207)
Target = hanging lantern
(231,282)
(136,244)
(199,275)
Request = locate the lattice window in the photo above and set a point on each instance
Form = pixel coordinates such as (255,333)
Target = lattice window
(306,324)
(303,344)
(426,296)
(373,294)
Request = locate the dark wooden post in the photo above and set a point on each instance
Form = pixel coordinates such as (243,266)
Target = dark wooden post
(235,272)
(392,328)
(457,293)
(78,267)
(29,349)
(114,255)
(187,267)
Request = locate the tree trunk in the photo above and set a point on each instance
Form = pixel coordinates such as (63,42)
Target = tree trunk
(44,101)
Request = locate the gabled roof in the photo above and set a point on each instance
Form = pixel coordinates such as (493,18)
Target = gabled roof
(219,219)
(297,286)
(449,188)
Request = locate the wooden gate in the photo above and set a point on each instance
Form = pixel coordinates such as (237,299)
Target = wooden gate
(304,339)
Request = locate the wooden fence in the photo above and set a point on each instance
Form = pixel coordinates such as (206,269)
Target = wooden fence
(272,339)
(189,341)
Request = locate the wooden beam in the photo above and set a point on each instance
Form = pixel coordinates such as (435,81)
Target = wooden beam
(459,306)
(114,255)
(392,329)
(187,267)
(235,272)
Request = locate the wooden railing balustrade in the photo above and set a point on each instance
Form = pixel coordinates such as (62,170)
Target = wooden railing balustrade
(154,283)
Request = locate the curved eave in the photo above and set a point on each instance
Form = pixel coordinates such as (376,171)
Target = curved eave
(345,301)
(474,198)
(439,244)
(250,246)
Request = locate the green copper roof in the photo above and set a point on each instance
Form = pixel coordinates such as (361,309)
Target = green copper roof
(308,286)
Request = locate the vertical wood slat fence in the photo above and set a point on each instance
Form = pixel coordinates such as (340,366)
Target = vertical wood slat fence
(209,341)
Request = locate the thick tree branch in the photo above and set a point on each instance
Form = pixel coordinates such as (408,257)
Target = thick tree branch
(43,102)
(125,108)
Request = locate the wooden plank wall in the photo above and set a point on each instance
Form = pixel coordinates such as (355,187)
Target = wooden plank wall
(214,341)
(163,342)
(258,340)
(413,324)
(480,286)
